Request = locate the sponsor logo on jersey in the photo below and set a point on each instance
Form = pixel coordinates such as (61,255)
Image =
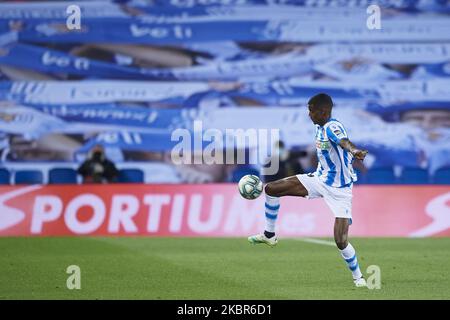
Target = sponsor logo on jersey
(323,144)
(338,133)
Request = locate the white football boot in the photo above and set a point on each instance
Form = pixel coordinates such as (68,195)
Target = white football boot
(261,238)
(361,282)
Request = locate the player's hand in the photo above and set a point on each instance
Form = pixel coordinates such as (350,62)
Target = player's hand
(359,154)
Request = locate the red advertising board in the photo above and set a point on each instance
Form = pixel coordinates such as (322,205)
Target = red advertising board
(213,210)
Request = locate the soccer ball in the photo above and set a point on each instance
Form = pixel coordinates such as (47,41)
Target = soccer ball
(250,187)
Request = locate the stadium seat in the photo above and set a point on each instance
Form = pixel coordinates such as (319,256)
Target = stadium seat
(62,175)
(442,176)
(362,177)
(241,171)
(131,176)
(4,176)
(381,176)
(414,176)
(29,177)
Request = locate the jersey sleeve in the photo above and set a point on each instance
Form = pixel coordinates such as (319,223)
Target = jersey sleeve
(336,132)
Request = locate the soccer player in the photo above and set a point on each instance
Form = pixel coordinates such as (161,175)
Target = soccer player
(332,181)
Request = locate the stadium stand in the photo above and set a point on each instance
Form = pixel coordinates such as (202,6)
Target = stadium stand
(442,176)
(131,176)
(62,175)
(414,176)
(241,171)
(362,178)
(381,176)
(5,176)
(28,177)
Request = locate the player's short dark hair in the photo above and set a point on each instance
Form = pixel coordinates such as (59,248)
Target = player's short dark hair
(321,100)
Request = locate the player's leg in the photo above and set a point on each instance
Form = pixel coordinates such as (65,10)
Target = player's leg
(290,186)
(348,253)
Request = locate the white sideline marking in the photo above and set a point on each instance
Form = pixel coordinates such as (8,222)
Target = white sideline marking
(317,241)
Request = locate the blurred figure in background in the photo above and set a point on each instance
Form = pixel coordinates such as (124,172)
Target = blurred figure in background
(434,143)
(427,119)
(432,138)
(97,168)
(289,163)
(137,55)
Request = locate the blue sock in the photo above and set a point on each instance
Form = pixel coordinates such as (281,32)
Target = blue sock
(349,255)
(272,207)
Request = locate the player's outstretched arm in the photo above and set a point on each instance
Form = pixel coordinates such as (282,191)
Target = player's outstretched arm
(350,147)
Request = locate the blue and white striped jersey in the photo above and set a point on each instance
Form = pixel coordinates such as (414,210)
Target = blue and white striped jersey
(335,164)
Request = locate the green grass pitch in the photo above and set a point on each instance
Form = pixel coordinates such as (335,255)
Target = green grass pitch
(218,268)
